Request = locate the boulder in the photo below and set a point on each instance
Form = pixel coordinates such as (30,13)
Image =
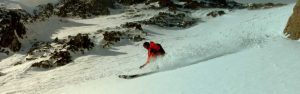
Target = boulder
(61,58)
(111,37)
(79,43)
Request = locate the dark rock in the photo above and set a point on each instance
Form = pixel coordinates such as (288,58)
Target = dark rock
(74,8)
(131,2)
(83,9)
(79,43)
(58,50)
(43,12)
(192,4)
(111,37)
(104,3)
(235,5)
(58,58)
(6,14)
(132,25)
(216,13)
(221,13)
(136,38)
(39,48)
(255,6)
(165,3)
(43,64)
(127,33)
(2,74)
(61,57)
(11,28)
(220,3)
(171,20)
(29,59)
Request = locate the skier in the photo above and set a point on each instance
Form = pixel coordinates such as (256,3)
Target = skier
(154,50)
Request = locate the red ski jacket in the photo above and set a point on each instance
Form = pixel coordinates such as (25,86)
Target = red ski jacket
(153,51)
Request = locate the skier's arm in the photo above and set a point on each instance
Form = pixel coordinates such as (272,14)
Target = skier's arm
(150,56)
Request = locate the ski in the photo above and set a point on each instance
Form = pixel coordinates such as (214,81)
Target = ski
(132,76)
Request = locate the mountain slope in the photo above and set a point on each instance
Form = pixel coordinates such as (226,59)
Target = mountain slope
(239,46)
(245,54)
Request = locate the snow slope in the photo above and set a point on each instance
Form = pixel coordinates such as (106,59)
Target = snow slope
(243,52)
(254,71)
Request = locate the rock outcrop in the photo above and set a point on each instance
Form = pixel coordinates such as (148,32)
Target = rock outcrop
(57,59)
(74,8)
(79,43)
(58,52)
(216,13)
(82,8)
(12,28)
(293,26)
(171,20)
(194,4)
(112,37)
(255,6)
(131,2)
